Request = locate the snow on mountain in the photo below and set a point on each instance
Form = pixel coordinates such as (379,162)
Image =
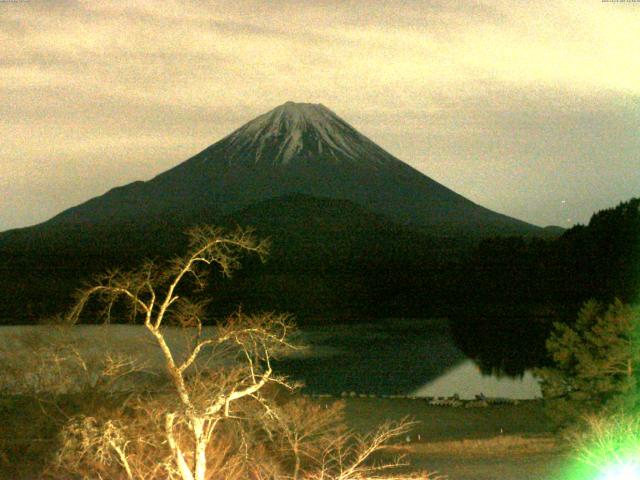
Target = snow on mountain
(304,129)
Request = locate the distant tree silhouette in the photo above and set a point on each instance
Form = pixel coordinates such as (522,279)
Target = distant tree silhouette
(598,260)
(605,254)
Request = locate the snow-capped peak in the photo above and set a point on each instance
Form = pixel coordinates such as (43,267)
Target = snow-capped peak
(304,130)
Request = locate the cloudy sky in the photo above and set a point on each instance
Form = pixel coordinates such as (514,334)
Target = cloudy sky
(528,108)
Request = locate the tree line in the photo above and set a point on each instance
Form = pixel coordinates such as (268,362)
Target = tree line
(516,288)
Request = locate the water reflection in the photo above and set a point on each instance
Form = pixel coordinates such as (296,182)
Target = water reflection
(400,357)
(503,340)
(467,381)
(393,357)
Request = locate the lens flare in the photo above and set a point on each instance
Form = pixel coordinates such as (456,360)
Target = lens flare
(623,471)
(609,451)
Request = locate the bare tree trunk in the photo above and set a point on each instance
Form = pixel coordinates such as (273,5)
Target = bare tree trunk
(174,371)
(296,468)
(123,460)
(183,468)
(197,424)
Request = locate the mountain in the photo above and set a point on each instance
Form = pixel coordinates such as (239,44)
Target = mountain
(331,258)
(331,234)
(295,148)
(554,230)
(328,258)
(355,231)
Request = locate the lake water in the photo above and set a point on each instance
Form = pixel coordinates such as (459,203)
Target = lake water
(392,357)
(467,381)
(415,357)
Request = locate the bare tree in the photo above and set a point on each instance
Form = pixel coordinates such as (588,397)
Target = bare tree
(348,456)
(221,375)
(303,430)
(152,294)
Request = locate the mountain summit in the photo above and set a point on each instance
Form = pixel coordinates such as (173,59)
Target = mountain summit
(302,132)
(296,148)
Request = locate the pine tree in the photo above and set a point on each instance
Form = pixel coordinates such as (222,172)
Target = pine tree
(596,364)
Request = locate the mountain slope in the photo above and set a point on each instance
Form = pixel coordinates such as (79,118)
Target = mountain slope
(328,257)
(295,148)
(329,234)
(333,259)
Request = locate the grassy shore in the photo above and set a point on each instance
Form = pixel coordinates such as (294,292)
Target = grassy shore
(500,442)
(505,442)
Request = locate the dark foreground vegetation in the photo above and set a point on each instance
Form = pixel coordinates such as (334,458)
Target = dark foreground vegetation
(240,420)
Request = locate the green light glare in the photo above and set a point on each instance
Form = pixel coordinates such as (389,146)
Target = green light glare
(623,471)
(616,470)
(610,451)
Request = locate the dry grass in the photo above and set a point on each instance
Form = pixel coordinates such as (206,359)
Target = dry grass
(477,458)
(495,446)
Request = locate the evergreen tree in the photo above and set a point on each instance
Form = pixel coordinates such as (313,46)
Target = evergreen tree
(596,363)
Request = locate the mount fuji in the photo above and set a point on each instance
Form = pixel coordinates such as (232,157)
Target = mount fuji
(296,148)
(354,230)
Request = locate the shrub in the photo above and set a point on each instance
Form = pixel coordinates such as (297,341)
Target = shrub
(609,446)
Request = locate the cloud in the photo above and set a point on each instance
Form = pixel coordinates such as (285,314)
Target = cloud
(152,83)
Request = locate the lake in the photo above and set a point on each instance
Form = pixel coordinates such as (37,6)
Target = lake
(390,357)
(467,381)
(415,357)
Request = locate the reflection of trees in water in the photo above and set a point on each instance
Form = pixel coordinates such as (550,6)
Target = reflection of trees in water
(503,340)
(598,260)
(386,359)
